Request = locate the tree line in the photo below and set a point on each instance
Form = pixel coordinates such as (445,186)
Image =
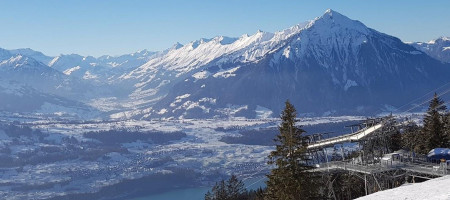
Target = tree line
(435,132)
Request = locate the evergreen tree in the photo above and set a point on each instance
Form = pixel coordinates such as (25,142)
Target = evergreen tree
(289,180)
(413,139)
(209,196)
(258,194)
(232,189)
(447,129)
(347,186)
(395,141)
(220,191)
(434,124)
(235,188)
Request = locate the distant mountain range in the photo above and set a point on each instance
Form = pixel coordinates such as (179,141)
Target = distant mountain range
(331,65)
(438,49)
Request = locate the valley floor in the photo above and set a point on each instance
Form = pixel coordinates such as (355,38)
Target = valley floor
(61,161)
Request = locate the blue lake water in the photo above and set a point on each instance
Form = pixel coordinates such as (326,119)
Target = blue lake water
(199,192)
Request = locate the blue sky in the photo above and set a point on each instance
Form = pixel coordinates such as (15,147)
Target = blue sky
(116,27)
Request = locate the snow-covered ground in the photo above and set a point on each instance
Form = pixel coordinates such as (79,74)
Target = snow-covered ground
(62,160)
(435,189)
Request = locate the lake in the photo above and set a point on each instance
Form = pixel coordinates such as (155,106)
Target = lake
(199,192)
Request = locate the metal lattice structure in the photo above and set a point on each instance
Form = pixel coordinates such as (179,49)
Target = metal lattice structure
(374,161)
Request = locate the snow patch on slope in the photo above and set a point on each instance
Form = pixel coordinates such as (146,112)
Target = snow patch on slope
(226,73)
(201,75)
(232,110)
(350,83)
(89,75)
(69,71)
(263,113)
(162,111)
(178,99)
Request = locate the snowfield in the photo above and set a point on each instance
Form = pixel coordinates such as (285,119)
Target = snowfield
(435,189)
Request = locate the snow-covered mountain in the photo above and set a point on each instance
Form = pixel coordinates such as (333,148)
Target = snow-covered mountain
(438,48)
(329,65)
(27,85)
(86,67)
(154,80)
(16,97)
(28,71)
(78,79)
(38,56)
(98,69)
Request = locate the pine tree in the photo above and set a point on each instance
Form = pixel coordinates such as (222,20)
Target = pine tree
(209,196)
(413,139)
(259,194)
(235,188)
(395,141)
(289,180)
(219,191)
(434,124)
(232,189)
(447,129)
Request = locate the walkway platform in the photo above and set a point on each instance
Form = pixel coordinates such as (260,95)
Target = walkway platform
(430,170)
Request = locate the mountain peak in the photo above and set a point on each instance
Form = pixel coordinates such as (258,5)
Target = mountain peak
(19,61)
(444,38)
(224,40)
(177,45)
(438,48)
(334,21)
(143,52)
(334,15)
(329,11)
(439,40)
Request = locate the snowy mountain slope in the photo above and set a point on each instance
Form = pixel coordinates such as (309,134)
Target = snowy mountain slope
(438,49)
(330,65)
(153,80)
(38,56)
(86,67)
(99,69)
(327,66)
(28,71)
(435,189)
(16,97)
(81,79)
(30,86)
